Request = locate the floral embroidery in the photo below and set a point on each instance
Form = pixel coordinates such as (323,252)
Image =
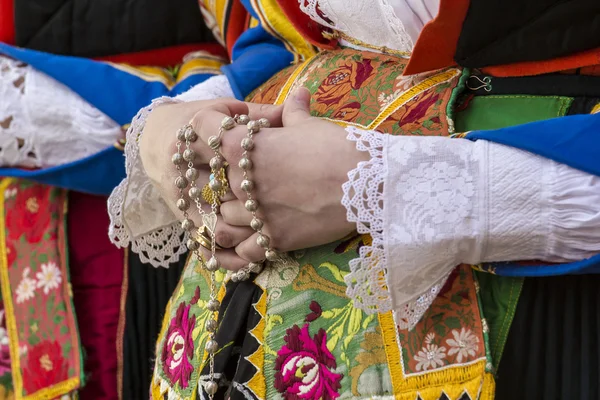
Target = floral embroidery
(464,344)
(430,356)
(49,277)
(340,82)
(304,366)
(178,349)
(25,217)
(26,289)
(316,311)
(11,254)
(45,366)
(440,193)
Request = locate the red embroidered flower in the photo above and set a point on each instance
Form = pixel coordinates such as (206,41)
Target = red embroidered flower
(29,215)
(341,81)
(348,111)
(44,366)
(11,253)
(178,349)
(304,367)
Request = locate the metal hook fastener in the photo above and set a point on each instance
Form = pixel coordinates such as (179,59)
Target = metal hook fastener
(485,83)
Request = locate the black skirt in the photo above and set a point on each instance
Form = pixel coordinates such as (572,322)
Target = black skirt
(553,348)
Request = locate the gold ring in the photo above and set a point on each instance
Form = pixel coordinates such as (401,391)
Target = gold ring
(203,237)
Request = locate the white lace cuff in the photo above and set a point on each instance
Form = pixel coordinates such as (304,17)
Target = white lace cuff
(43,123)
(431,203)
(139,216)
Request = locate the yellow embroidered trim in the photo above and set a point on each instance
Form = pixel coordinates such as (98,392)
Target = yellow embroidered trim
(149,74)
(381,49)
(596,109)
(412,92)
(275,22)
(283,93)
(451,381)
(200,66)
(257,383)
(11,324)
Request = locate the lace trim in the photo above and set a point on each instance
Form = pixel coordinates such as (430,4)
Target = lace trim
(363,197)
(335,14)
(160,246)
(43,123)
(138,214)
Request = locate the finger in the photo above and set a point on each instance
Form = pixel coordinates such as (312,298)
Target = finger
(228,259)
(228,236)
(207,122)
(249,250)
(234,213)
(296,107)
(269,111)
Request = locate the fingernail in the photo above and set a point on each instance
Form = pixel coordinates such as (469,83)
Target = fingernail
(302,95)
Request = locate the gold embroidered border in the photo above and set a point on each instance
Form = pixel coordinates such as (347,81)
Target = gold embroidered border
(11,324)
(453,382)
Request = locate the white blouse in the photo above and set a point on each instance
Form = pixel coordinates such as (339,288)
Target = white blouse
(43,123)
(430,203)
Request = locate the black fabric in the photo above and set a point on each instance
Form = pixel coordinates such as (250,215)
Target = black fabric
(237,317)
(543,85)
(583,105)
(149,290)
(92,28)
(497,32)
(553,348)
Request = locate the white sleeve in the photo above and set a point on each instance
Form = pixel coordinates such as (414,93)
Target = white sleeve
(138,214)
(44,123)
(432,203)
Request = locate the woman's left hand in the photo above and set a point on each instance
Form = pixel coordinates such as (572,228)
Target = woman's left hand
(298,171)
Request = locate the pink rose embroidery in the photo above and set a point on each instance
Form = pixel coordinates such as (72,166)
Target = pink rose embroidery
(305,367)
(178,349)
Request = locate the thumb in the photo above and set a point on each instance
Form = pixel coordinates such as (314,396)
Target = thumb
(296,107)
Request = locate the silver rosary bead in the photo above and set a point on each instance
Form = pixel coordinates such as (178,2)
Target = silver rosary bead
(187,224)
(216,163)
(256,224)
(181,133)
(251,205)
(253,126)
(211,325)
(183,204)
(190,135)
(211,388)
(247,185)
(181,182)
(247,144)
(264,123)
(214,142)
(242,275)
(213,305)
(195,193)
(177,159)
(192,245)
(271,255)
(263,241)
(189,155)
(212,264)
(245,164)
(191,174)
(243,119)
(227,123)
(255,268)
(215,185)
(211,346)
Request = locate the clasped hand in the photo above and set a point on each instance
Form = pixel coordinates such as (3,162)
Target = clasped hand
(299,166)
